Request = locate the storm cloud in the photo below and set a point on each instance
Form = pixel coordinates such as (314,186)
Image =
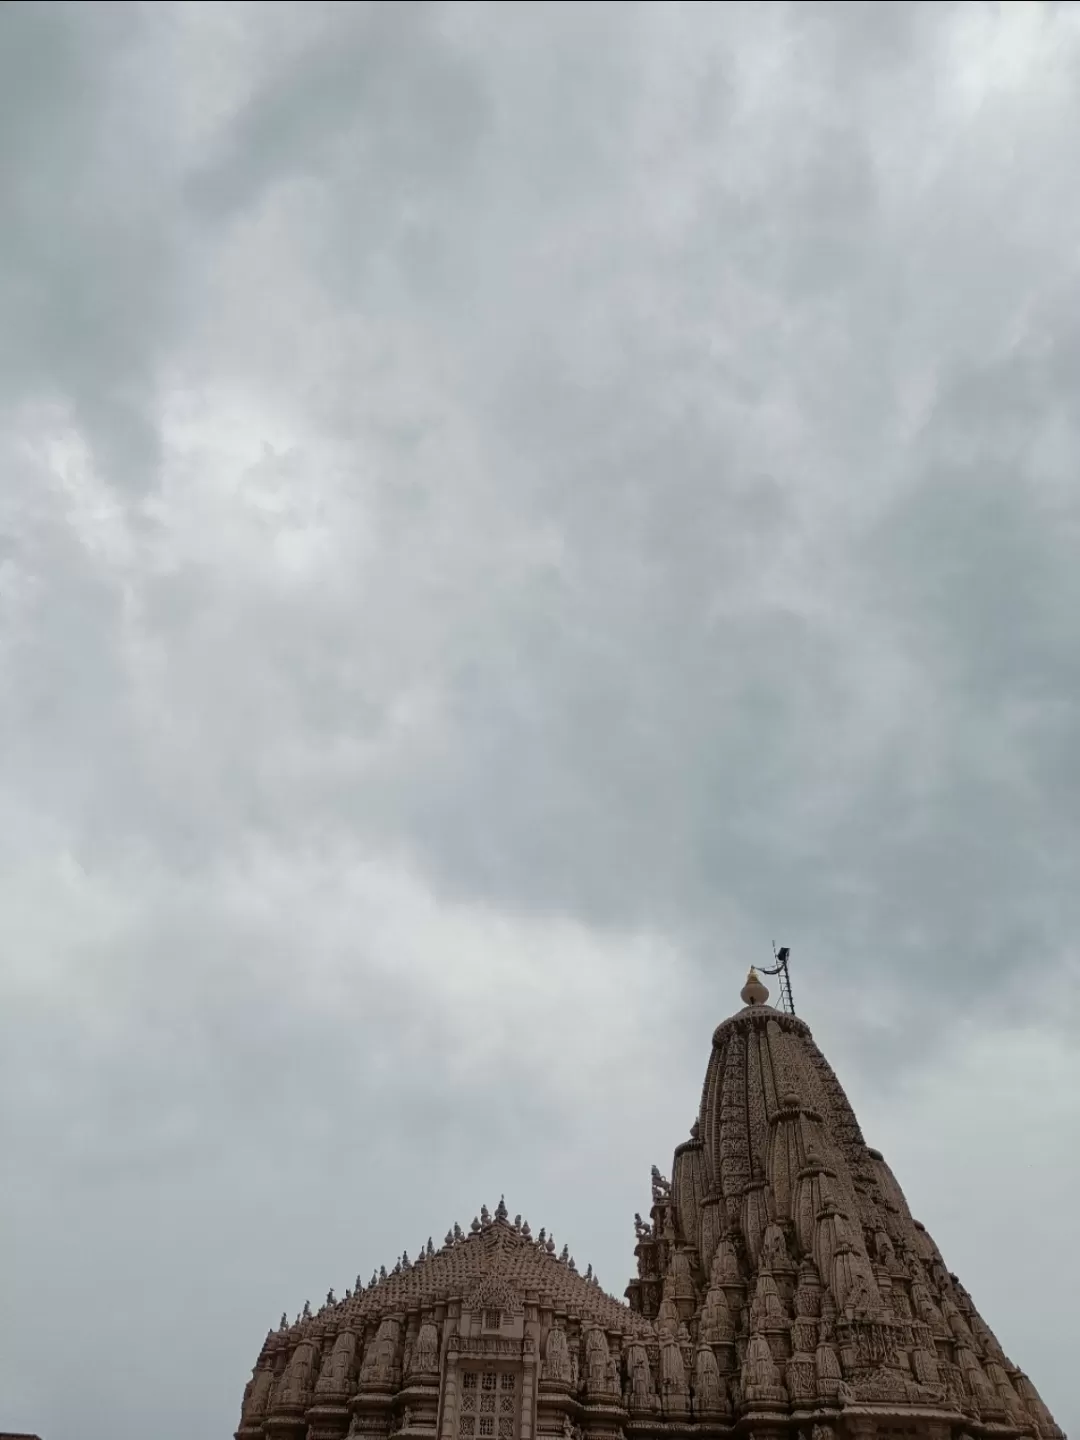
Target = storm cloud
(505,512)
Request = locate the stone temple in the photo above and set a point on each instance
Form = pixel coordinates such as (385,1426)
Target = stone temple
(783,1289)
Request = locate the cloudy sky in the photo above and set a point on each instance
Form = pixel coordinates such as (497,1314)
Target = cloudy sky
(506,511)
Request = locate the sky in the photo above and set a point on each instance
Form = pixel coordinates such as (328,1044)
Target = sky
(506,513)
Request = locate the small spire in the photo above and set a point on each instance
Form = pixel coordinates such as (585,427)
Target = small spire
(306,1312)
(754,992)
(588,1273)
(501,1212)
(485,1217)
(564,1254)
(541,1239)
(525,1230)
(330,1296)
(430,1247)
(449,1239)
(358,1288)
(382,1272)
(459,1234)
(284,1321)
(406,1263)
(475,1226)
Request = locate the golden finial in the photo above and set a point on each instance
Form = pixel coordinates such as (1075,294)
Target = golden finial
(754,992)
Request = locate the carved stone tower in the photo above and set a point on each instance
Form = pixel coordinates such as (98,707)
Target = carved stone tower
(783,1289)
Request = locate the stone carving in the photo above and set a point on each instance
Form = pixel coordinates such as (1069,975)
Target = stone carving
(294,1392)
(597,1356)
(774,1251)
(425,1355)
(674,1391)
(557,1366)
(256,1396)
(717,1326)
(682,1282)
(642,1394)
(380,1369)
(822,1291)
(661,1188)
(808,1292)
(829,1374)
(760,1377)
(494,1293)
(766,1311)
(710,1397)
(336,1375)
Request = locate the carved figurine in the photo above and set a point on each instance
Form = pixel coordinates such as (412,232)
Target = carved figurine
(596,1361)
(557,1364)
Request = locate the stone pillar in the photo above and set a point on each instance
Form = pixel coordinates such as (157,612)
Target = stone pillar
(451,1390)
(530,1376)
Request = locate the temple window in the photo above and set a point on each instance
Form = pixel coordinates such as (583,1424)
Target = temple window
(489,1402)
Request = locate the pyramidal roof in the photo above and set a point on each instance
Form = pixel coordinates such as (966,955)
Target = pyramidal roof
(496,1254)
(780,1278)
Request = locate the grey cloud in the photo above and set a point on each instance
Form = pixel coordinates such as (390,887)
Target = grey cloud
(91,281)
(631,486)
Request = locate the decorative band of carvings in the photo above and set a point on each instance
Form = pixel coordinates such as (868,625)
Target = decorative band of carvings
(485,1345)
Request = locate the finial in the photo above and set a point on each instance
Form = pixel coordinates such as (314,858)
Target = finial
(526,1230)
(754,992)
(397,1269)
(306,1312)
(358,1288)
(382,1272)
(551,1245)
(485,1217)
(459,1234)
(588,1273)
(430,1247)
(475,1226)
(348,1294)
(284,1321)
(449,1239)
(330,1296)
(541,1239)
(406,1263)
(501,1212)
(375,1278)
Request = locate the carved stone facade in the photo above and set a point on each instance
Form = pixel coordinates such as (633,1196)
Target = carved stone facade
(783,1289)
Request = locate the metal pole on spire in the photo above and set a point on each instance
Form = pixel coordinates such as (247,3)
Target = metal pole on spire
(780,970)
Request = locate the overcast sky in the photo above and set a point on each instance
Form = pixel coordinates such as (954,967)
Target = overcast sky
(506,511)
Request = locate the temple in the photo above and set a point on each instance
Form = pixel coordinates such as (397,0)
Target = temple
(782,1289)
